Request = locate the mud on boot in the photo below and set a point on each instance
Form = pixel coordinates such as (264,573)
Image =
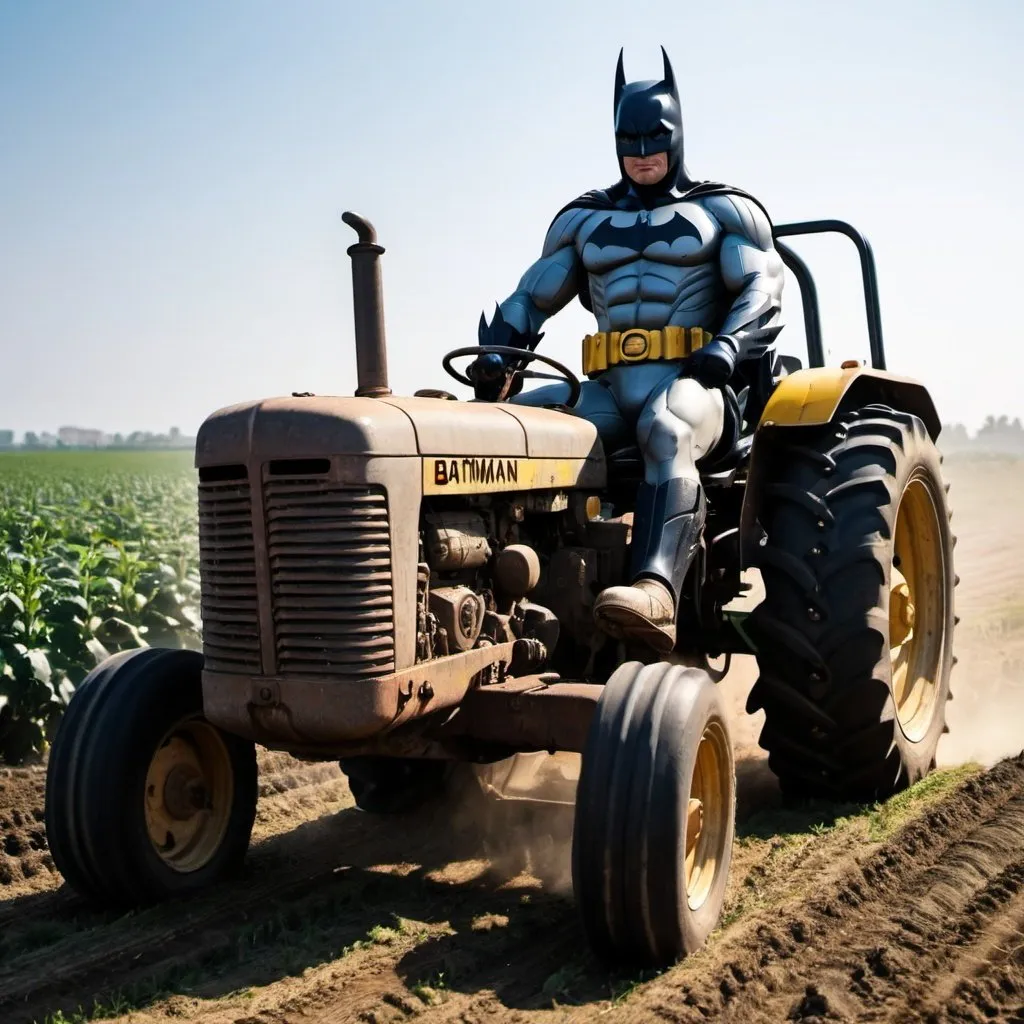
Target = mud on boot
(644,612)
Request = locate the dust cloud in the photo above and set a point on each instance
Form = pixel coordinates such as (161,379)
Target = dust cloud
(986,714)
(518,815)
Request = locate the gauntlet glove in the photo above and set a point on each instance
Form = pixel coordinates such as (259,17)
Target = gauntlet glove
(713,364)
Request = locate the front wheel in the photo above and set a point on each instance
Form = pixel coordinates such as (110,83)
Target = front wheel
(145,799)
(655,814)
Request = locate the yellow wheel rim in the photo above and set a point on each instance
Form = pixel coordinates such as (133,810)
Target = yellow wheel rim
(189,791)
(917,611)
(706,818)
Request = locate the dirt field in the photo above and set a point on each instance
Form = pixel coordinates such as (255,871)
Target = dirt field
(909,912)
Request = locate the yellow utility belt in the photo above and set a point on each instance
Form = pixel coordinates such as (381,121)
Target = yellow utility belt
(637,345)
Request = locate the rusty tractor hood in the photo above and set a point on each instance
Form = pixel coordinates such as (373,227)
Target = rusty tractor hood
(287,428)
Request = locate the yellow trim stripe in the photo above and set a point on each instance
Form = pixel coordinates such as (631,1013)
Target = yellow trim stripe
(465,475)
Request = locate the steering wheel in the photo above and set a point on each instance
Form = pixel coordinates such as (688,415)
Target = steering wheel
(524,355)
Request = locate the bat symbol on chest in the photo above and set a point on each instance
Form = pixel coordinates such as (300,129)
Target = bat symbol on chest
(638,235)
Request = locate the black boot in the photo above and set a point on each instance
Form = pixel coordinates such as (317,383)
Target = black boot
(667,525)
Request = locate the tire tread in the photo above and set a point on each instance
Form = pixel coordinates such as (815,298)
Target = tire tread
(822,630)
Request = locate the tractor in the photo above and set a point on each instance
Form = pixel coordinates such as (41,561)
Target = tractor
(405,586)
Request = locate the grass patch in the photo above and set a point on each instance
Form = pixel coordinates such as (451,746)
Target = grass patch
(114,1007)
(433,991)
(561,985)
(576,983)
(380,935)
(785,824)
(814,818)
(884,820)
(487,922)
(789,835)
(624,988)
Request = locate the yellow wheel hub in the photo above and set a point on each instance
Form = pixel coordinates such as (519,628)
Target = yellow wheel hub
(189,792)
(917,612)
(901,611)
(706,822)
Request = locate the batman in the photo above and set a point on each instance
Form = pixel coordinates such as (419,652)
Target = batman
(656,251)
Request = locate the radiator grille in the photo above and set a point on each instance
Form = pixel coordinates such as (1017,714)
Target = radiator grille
(229,607)
(330,566)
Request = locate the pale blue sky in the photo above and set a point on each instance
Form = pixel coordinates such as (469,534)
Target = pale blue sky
(172,175)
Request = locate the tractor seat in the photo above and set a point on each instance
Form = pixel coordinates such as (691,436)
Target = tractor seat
(625,463)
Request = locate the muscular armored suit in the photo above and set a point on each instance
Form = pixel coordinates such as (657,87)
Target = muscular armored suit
(672,254)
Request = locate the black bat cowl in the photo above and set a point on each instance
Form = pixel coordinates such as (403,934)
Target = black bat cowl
(649,119)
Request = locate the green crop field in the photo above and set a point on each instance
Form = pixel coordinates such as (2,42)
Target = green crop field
(98,553)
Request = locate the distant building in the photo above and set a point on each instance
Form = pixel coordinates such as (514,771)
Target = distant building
(76,437)
(79,437)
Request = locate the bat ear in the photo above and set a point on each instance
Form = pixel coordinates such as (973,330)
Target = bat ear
(668,75)
(620,82)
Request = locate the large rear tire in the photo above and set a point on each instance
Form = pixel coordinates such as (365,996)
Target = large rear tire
(145,799)
(655,811)
(854,636)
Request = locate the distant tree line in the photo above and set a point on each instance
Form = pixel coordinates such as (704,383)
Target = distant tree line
(75,438)
(998,435)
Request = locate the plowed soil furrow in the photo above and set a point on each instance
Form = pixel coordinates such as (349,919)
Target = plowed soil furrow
(25,863)
(986,957)
(353,918)
(49,933)
(460,942)
(101,945)
(881,942)
(310,895)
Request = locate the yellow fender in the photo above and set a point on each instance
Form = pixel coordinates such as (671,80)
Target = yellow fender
(813,397)
(808,398)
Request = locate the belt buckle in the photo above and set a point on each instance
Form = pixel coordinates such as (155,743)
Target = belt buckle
(634,345)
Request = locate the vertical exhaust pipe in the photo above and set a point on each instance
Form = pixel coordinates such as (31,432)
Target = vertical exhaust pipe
(368,307)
